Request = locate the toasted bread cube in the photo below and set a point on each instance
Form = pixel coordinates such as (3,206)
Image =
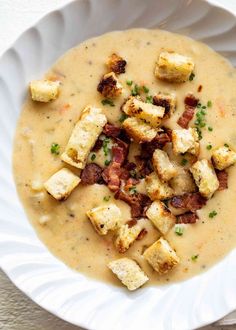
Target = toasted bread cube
(205,177)
(128,272)
(173,67)
(116,64)
(44,90)
(105,218)
(168,101)
(157,189)
(185,140)
(223,157)
(148,112)
(160,216)
(84,136)
(109,86)
(126,236)
(162,165)
(61,184)
(138,130)
(183,183)
(161,256)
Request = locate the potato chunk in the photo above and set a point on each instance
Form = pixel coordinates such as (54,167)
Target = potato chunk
(161,256)
(138,130)
(84,136)
(223,157)
(148,112)
(44,90)
(61,184)
(205,177)
(156,189)
(162,165)
(185,140)
(116,64)
(109,86)
(168,101)
(173,67)
(160,216)
(128,272)
(105,218)
(126,236)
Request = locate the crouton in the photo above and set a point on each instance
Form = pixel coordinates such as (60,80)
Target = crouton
(148,112)
(128,272)
(223,157)
(105,218)
(173,67)
(126,236)
(84,136)
(161,256)
(116,64)
(185,140)
(61,184)
(160,216)
(162,165)
(168,101)
(156,189)
(109,86)
(44,90)
(205,177)
(183,183)
(138,130)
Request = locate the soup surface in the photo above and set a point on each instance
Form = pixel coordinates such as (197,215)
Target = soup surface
(69,234)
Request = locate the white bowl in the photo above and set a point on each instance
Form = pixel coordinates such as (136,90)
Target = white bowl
(45,279)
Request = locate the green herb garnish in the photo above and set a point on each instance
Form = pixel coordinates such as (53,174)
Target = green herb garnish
(194,257)
(145,89)
(179,230)
(226,145)
(135,91)
(212,214)
(105,144)
(209,104)
(209,147)
(184,161)
(106,198)
(55,148)
(107,162)
(123,117)
(93,156)
(133,190)
(129,82)
(210,129)
(192,76)
(149,99)
(108,102)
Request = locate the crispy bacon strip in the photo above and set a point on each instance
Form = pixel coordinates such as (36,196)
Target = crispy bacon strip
(190,201)
(222,177)
(111,175)
(143,167)
(188,217)
(142,233)
(97,145)
(131,182)
(158,142)
(190,102)
(91,174)
(111,130)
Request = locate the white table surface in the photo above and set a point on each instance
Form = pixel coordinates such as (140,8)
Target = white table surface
(17,312)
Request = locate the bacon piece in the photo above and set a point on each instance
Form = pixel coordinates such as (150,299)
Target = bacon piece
(111,130)
(188,217)
(123,145)
(97,145)
(222,177)
(124,136)
(130,166)
(191,100)
(138,202)
(131,223)
(91,174)
(186,117)
(118,155)
(131,182)
(148,148)
(142,233)
(144,167)
(191,201)
(111,175)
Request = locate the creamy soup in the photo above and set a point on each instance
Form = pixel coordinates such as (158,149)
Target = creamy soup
(69,234)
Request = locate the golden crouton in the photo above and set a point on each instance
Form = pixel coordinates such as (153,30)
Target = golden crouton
(148,112)
(185,140)
(109,86)
(161,256)
(116,64)
(105,218)
(160,216)
(223,157)
(173,67)
(126,236)
(162,165)
(84,136)
(168,101)
(61,184)
(183,183)
(156,189)
(128,272)
(44,90)
(138,130)
(205,177)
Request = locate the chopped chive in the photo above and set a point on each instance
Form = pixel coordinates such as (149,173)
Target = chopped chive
(133,190)
(210,129)
(149,99)
(108,102)
(105,146)
(195,257)
(133,173)
(226,145)
(199,132)
(106,198)
(107,162)
(179,230)
(55,148)
(199,105)
(93,156)
(123,117)
(184,161)
(209,147)
(135,90)
(209,104)
(212,214)
(192,76)
(129,82)
(203,107)
(145,89)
